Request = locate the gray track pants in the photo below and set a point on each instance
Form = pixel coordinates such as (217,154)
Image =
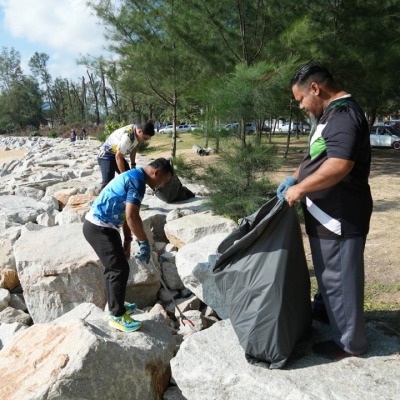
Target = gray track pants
(339,269)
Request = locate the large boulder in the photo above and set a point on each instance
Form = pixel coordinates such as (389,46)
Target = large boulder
(58,270)
(192,228)
(4,299)
(215,355)
(195,262)
(78,359)
(20,209)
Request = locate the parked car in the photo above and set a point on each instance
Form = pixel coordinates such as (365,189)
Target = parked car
(183,128)
(250,127)
(167,129)
(385,136)
(301,127)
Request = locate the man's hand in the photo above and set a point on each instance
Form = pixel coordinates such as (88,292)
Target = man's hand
(293,194)
(144,252)
(127,249)
(284,186)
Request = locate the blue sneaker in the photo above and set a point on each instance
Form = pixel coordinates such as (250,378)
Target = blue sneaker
(124,323)
(129,307)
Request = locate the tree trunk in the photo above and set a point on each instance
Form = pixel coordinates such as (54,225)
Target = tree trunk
(96,100)
(173,141)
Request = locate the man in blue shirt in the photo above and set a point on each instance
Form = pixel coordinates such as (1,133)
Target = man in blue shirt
(118,205)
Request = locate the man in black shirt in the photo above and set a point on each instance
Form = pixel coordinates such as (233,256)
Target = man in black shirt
(332,184)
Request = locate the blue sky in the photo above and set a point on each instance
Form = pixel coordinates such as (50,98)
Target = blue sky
(64,29)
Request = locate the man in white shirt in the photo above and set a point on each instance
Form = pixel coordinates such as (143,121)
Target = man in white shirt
(120,143)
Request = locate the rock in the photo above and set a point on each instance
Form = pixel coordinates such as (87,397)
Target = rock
(160,247)
(192,303)
(178,213)
(192,228)
(51,201)
(63,195)
(79,202)
(143,283)
(58,270)
(171,276)
(7,331)
(165,296)
(169,248)
(86,311)
(186,293)
(168,257)
(48,218)
(195,262)
(20,209)
(17,301)
(159,309)
(198,321)
(36,194)
(31,227)
(77,359)
(69,217)
(173,393)
(8,278)
(4,299)
(7,259)
(10,315)
(216,356)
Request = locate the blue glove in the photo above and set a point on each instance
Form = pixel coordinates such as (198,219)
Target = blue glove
(144,252)
(284,186)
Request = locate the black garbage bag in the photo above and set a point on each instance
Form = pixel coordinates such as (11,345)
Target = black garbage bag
(173,190)
(263,277)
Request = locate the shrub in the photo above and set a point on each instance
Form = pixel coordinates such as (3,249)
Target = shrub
(183,169)
(238,183)
(52,134)
(35,134)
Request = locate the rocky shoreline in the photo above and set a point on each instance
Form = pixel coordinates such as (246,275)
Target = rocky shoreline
(55,342)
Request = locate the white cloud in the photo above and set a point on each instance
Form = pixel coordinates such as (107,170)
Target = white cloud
(65,25)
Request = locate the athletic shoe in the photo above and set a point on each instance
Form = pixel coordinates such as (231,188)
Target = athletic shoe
(331,351)
(129,307)
(124,323)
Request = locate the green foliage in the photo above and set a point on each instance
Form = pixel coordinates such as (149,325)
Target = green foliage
(52,134)
(182,168)
(35,134)
(235,183)
(143,146)
(109,128)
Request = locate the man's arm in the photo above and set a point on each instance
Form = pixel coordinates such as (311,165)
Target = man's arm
(119,158)
(134,221)
(331,172)
(133,157)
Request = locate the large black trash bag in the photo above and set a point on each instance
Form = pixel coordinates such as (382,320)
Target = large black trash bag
(173,190)
(263,277)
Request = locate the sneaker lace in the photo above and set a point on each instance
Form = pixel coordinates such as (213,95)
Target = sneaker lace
(127,319)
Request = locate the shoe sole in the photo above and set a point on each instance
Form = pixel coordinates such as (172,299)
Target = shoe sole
(115,325)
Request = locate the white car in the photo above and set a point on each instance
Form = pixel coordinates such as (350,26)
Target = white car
(385,136)
(183,128)
(167,129)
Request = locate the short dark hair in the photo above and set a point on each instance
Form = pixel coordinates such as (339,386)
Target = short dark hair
(147,128)
(312,71)
(164,165)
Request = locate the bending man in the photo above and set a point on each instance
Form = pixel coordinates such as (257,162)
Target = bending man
(119,205)
(120,143)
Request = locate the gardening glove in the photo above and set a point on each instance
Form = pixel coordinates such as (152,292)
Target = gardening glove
(144,253)
(284,186)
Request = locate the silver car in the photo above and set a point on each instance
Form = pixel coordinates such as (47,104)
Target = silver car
(385,136)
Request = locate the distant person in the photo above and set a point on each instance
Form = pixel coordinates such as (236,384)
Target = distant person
(119,205)
(120,143)
(73,136)
(83,134)
(332,185)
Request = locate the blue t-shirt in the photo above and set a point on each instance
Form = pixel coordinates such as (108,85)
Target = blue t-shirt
(128,187)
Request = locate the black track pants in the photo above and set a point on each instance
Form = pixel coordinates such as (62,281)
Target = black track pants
(107,244)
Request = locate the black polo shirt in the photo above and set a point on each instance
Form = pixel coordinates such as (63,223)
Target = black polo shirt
(343,210)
